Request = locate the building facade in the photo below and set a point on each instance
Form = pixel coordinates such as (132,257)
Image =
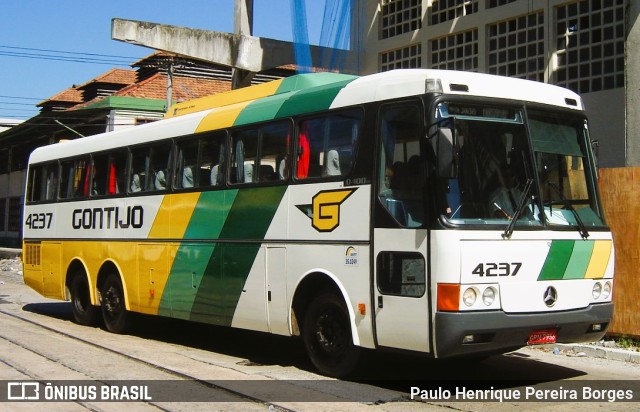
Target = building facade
(117,99)
(578,44)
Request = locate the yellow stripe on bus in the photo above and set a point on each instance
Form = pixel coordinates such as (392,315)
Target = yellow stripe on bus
(221,118)
(173,217)
(599,259)
(220,100)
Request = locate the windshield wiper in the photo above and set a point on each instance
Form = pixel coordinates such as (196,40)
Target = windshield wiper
(516,215)
(579,223)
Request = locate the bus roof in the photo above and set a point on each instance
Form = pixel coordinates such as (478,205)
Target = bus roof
(388,85)
(308,93)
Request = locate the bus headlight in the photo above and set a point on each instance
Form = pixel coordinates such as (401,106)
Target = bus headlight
(597,290)
(488,296)
(469,297)
(606,290)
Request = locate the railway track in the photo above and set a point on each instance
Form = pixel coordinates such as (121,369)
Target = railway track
(14,349)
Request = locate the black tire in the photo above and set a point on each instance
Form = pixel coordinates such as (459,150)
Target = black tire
(326,332)
(114,310)
(84,313)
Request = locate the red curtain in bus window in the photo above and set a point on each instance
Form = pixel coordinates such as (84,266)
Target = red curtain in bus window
(112,189)
(304,155)
(87,177)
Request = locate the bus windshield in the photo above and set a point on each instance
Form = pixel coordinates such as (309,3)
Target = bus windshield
(498,179)
(568,191)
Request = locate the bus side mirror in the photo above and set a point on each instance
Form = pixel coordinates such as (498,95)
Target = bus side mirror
(445,152)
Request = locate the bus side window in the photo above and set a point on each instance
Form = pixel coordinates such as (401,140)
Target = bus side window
(117,172)
(138,181)
(109,172)
(160,161)
(74,179)
(243,161)
(211,165)
(401,175)
(401,273)
(187,159)
(326,145)
(100,168)
(274,140)
(42,182)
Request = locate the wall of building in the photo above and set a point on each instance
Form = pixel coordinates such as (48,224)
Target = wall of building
(11,199)
(632,60)
(607,125)
(579,44)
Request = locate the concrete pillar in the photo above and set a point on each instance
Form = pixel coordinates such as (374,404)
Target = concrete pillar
(242,25)
(632,86)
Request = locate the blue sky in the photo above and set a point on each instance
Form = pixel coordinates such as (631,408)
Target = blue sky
(34,28)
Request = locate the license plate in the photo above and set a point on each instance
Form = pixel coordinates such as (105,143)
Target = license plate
(540,337)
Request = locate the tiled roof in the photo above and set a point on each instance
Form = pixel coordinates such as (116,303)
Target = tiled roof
(114,76)
(70,95)
(184,88)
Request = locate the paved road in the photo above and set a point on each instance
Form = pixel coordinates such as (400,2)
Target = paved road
(244,370)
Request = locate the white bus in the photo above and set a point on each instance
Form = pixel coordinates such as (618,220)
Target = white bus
(438,212)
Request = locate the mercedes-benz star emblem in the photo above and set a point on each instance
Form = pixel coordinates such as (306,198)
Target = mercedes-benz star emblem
(550,296)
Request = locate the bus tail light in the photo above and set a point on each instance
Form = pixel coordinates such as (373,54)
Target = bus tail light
(448,297)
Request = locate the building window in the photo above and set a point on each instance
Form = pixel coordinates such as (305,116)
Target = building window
(498,3)
(15,214)
(445,10)
(516,47)
(406,58)
(4,161)
(456,52)
(400,16)
(590,45)
(3,214)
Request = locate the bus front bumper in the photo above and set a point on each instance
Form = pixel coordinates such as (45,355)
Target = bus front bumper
(478,333)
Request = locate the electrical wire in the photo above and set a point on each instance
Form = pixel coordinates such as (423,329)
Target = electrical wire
(63,55)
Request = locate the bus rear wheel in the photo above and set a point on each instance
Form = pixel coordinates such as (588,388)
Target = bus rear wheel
(84,313)
(114,311)
(327,336)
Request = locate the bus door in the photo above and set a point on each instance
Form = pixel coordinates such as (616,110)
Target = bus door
(401,297)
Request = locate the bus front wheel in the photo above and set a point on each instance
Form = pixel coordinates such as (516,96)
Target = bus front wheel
(114,311)
(84,313)
(327,336)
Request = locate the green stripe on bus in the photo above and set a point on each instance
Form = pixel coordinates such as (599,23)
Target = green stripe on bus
(210,214)
(579,260)
(313,100)
(186,273)
(191,259)
(229,265)
(557,260)
(261,110)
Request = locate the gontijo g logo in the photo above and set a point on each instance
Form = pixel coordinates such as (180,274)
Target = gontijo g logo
(324,210)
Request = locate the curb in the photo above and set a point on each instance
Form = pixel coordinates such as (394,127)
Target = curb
(576,349)
(7,253)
